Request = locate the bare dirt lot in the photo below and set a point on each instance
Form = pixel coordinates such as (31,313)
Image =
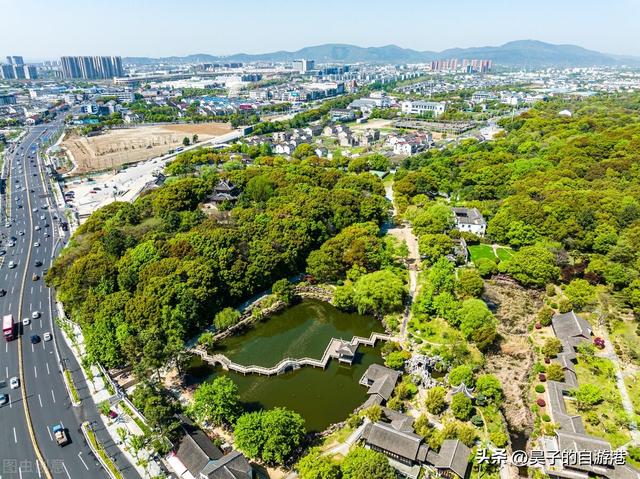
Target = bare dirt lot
(121,146)
(515,309)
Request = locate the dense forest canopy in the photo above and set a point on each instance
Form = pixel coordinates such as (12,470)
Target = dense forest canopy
(567,184)
(141,277)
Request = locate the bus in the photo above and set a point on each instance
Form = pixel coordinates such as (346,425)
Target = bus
(8,328)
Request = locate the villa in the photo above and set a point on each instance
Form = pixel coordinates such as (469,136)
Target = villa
(470,220)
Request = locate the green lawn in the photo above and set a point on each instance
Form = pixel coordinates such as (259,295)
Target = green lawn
(478,251)
(624,334)
(505,254)
(608,419)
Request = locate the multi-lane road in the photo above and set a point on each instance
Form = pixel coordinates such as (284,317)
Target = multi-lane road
(31,237)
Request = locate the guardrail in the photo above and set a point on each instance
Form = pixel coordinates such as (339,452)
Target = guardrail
(98,451)
(331,351)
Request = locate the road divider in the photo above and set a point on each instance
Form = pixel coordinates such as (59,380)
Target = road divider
(99,452)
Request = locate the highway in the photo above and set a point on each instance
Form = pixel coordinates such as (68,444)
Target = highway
(31,238)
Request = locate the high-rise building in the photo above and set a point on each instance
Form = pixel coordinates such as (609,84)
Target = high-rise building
(7,72)
(303,66)
(15,60)
(92,68)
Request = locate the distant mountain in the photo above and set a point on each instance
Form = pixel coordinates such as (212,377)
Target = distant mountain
(521,53)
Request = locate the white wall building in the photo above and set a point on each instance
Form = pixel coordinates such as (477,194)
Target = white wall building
(419,107)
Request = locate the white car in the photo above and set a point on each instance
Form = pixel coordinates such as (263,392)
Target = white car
(37,228)
(26,321)
(35,315)
(11,265)
(4,399)
(47,336)
(43,217)
(14,382)
(36,244)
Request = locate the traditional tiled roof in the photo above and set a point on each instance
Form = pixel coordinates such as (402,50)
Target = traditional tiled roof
(231,466)
(195,449)
(381,380)
(468,216)
(402,443)
(571,328)
(453,455)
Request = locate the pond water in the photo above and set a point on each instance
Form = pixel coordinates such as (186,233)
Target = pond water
(322,397)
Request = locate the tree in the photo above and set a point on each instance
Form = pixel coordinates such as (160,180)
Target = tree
(545,315)
(552,347)
(379,293)
(283,289)
(470,283)
(316,466)
(434,246)
(461,374)
(476,321)
(555,372)
(303,150)
(271,436)
(185,141)
(396,359)
(490,386)
(461,407)
(226,318)
(435,400)
(104,407)
(365,463)
(580,293)
(486,267)
(437,218)
(194,138)
(533,266)
(216,402)
(587,395)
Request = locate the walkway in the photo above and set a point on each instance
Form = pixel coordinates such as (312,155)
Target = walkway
(405,233)
(331,352)
(610,354)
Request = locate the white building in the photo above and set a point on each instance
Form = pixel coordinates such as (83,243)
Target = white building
(470,220)
(419,107)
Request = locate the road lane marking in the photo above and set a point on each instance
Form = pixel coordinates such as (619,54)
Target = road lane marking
(47,364)
(49,433)
(38,468)
(20,472)
(15,436)
(10,402)
(6,369)
(35,371)
(31,347)
(53,396)
(65,470)
(40,400)
(83,463)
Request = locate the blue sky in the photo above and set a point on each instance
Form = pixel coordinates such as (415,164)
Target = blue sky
(40,29)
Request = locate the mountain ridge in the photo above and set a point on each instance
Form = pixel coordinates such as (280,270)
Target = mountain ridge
(517,53)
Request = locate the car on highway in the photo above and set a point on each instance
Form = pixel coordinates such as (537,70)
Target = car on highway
(34,209)
(14,383)
(36,244)
(37,228)
(7,225)
(3,292)
(38,263)
(35,339)
(35,277)
(35,315)
(11,265)
(11,243)
(4,399)
(60,433)
(2,252)
(43,217)
(47,336)
(20,233)
(26,321)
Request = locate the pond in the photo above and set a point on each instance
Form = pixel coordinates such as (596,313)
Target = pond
(322,397)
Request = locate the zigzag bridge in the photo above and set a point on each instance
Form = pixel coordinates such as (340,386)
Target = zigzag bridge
(343,351)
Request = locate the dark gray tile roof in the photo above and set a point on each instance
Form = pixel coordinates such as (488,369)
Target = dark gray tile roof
(453,455)
(571,328)
(469,216)
(381,379)
(385,436)
(231,466)
(195,449)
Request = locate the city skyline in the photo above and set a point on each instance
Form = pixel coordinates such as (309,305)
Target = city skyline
(158,29)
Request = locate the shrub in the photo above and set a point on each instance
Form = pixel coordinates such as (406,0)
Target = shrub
(555,372)
(545,315)
(499,438)
(477,421)
(546,418)
(564,306)
(539,388)
(461,407)
(551,347)
(434,400)
(550,290)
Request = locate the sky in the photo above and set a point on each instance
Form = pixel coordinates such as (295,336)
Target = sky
(47,29)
